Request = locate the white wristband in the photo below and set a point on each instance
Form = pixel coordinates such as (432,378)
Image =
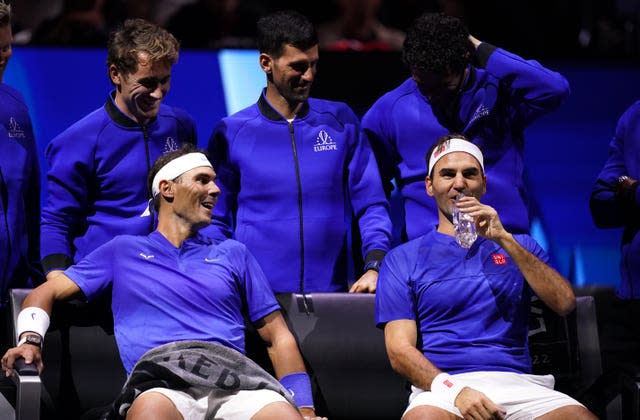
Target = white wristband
(443,384)
(32,319)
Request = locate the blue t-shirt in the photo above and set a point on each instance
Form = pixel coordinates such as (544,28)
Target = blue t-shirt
(162,294)
(471,305)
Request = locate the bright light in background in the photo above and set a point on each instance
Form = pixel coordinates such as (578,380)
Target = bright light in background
(242,78)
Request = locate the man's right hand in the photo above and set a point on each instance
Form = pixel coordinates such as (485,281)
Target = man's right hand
(30,354)
(474,404)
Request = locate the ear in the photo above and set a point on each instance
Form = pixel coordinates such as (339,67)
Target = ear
(115,75)
(166,189)
(429,186)
(266,63)
(484,187)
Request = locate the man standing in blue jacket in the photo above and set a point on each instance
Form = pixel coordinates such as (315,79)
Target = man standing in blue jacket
(293,168)
(19,182)
(459,84)
(615,203)
(615,199)
(98,165)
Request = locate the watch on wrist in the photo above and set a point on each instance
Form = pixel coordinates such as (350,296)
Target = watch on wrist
(33,339)
(373,265)
(622,178)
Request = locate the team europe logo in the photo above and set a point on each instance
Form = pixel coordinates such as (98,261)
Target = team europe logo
(15,131)
(324,142)
(480,112)
(170,145)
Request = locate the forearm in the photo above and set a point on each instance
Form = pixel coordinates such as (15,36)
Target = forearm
(57,287)
(285,356)
(409,362)
(552,288)
(400,337)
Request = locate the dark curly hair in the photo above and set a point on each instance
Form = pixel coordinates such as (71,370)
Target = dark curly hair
(282,28)
(5,14)
(437,43)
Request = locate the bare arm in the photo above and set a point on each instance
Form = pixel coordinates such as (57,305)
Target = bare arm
(551,287)
(53,273)
(281,345)
(283,350)
(400,337)
(57,287)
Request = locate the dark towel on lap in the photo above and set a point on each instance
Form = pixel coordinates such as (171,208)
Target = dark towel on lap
(198,368)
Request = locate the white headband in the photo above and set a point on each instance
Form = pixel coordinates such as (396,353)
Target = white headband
(177,167)
(455,145)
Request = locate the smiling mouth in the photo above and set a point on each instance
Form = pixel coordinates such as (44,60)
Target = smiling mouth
(147,104)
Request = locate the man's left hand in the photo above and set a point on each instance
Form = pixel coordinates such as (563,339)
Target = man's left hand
(366,284)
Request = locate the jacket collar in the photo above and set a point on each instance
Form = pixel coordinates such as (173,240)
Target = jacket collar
(269,112)
(118,116)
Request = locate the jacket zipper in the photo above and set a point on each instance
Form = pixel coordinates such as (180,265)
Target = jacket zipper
(299,182)
(145,135)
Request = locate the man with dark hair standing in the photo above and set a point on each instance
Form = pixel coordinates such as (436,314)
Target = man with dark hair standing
(19,184)
(179,307)
(459,84)
(615,203)
(98,165)
(293,169)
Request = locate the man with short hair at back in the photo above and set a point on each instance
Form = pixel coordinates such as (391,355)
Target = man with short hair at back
(296,172)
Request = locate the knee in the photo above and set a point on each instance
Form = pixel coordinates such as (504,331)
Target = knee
(153,405)
(423,412)
(277,410)
(570,412)
(581,413)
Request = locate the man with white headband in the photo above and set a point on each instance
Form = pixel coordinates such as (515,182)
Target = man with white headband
(470,307)
(180,299)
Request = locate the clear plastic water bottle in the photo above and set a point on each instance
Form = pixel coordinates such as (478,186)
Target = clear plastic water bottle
(463,226)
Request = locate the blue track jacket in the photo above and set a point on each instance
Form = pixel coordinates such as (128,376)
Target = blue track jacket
(614,211)
(288,190)
(97,179)
(500,98)
(19,195)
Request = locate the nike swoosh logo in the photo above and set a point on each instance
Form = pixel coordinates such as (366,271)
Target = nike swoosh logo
(146,257)
(146,212)
(211,260)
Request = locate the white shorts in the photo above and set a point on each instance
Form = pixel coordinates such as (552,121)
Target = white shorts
(240,406)
(522,396)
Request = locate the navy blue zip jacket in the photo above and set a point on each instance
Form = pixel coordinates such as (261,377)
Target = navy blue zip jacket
(19,194)
(97,179)
(502,95)
(613,210)
(288,190)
